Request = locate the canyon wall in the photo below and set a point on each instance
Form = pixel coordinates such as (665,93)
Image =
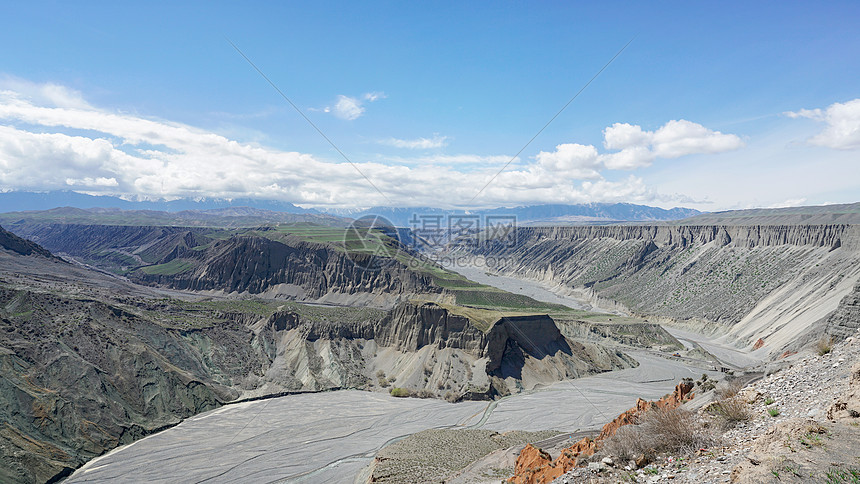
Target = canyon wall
(197,259)
(778,283)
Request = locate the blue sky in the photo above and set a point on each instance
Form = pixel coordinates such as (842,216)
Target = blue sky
(431,100)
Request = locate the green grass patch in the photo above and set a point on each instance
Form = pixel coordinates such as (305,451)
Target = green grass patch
(495,298)
(176,266)
(400,392)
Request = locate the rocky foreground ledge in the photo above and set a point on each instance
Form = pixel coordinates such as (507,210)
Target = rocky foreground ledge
(799,424)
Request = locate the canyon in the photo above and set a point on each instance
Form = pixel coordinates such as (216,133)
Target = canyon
(112,333)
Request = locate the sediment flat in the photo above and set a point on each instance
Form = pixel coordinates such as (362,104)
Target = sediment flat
(331,436)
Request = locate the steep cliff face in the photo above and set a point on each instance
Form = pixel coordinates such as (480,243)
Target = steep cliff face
(305,270)
(788,277)
(198,259)
(104,243)
(423,346)
(844,322)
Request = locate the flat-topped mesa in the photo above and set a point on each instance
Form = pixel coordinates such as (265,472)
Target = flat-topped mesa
(477,356)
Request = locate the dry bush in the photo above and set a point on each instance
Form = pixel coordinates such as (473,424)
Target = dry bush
(730,410)
(672,430)
(678,430)
(824,345)
(423,393)
(628,442)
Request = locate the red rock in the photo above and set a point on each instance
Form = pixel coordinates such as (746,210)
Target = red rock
(534,466)
(758,344)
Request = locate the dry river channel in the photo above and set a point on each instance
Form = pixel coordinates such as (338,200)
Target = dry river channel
(329,437)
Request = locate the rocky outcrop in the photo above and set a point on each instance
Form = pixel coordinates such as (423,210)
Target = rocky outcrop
(90,242)
(256,265)
(534,466)
(453,354)
(847,407)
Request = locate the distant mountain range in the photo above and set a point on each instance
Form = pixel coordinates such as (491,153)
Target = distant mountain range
(209,210)
(232,217)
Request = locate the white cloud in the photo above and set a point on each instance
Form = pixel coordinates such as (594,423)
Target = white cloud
(417,144)
(843,125)
(621,136)
(348,108)
(373,96)
(351,108)
(48,93)
(680,138)
(572,160)
(93,182)
(639,148)
(462,160)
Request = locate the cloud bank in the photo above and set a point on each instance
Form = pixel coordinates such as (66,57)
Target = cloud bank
(51,138)
(635,148)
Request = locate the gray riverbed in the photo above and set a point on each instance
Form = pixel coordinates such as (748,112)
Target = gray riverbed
(331,436)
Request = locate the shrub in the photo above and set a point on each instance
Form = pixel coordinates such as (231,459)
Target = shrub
(400,392)
(824,345)
(660,430)
(730,410)
(773,411)
(628,442)
(380,376)
(769,401)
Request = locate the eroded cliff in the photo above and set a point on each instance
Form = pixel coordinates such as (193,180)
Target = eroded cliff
(772,282)
(235,261)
